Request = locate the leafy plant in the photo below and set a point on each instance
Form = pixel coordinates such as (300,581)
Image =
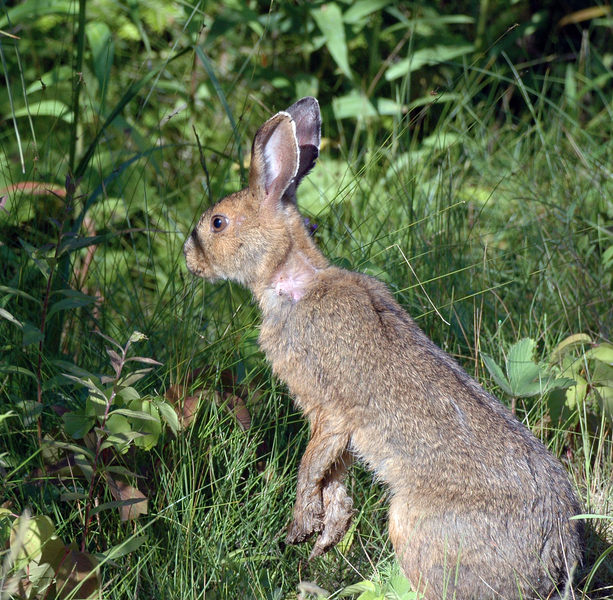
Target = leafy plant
(395,588)
(38,565)
(590,365)
(525,377)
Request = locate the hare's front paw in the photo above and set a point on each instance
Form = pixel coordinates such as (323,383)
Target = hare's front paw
(308,519)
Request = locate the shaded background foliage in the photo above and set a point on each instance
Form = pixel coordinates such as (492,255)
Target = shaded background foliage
(465,161)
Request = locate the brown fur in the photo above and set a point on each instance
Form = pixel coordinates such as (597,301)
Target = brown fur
(478,507)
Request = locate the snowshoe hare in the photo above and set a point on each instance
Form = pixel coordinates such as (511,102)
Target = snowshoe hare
(479,509)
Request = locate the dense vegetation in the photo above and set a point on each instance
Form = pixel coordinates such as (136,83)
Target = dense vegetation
(466,161)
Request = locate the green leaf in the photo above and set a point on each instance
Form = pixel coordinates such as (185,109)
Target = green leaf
(116,504)
(522,371)
(96,406)
(85,465)
(46,108)
(39,530)
(356,588)
(427,56)
(133,377)
(102,46)
(363,8)
(603,352)
(605,397)
(329,19)
(12,370)
(72,448)
(31,334)
(497,374)
(130,545)
(353,106)
(168,413)
(76,300)
(121,441)
(77,424)
(139,415)
(572,342)
(150,423)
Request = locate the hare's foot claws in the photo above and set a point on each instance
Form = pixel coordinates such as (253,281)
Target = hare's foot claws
(333,532)
(304,525)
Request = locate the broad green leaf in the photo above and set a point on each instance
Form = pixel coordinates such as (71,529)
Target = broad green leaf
(46,108)
(77,424)
(168,413)
(72,448)
(72,243)
(31,10)
(572,342)
(353,106)
(30,409)
(139,415)
(132,378)
(12,370)
(102,46)
(40,262)
(96,406)
(425,57)
(9,317)
(121,441)
(363,8)
(602,372)
(497,374)
(145,360)
(127,394)
(85,465)
(150,423)
(605,397)
(9,290)
(522,371)
(76,301)
(39,530)
(90,384)
(31,335)
(603,352)
(329,19)
(356,588)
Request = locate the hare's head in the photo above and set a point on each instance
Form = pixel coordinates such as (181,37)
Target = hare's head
(248,234)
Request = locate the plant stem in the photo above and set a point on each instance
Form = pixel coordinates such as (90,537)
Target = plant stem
(90,494)
(77,87)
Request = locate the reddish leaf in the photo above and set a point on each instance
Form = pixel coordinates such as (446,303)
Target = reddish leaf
(239,409)
(78,577)
(186,407)
(122,491)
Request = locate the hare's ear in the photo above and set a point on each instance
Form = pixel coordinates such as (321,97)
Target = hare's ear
(274,158)
(307,118)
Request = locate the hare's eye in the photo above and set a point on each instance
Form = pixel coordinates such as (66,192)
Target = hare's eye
(218,223)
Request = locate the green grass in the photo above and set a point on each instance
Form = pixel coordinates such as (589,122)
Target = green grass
(488,215)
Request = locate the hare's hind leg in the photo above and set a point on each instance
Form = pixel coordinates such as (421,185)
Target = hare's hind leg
(318,463)
(338,507)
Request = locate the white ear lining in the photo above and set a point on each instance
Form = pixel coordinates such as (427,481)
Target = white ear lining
(275,158)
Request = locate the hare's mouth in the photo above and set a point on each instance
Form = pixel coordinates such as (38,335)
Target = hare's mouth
(194,255)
